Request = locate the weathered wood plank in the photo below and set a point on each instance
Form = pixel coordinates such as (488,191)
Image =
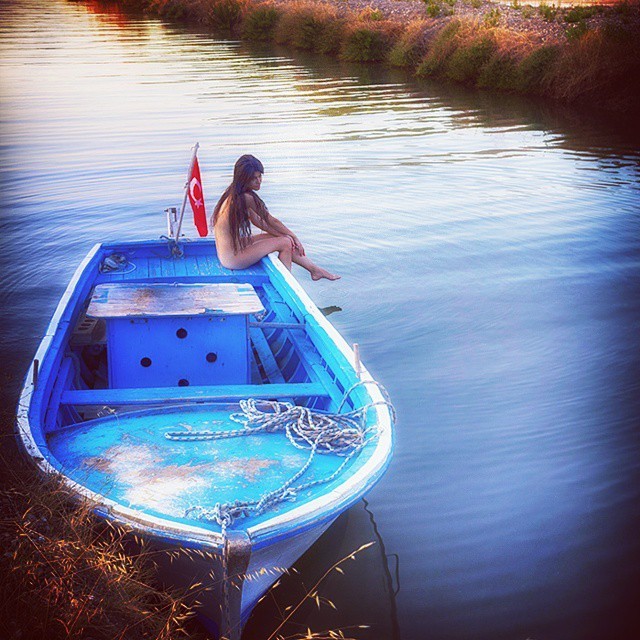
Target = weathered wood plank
(216,266)
(120,300)
(180,267)
(203,266)
(191,263)
(141,269)
(168,267)
(155,268)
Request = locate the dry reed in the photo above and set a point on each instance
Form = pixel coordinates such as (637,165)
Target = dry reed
(66,576)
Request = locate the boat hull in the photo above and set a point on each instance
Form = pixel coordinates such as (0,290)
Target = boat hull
(248,578)
(295,355)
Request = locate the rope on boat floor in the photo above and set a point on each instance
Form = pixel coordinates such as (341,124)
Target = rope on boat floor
(342,434)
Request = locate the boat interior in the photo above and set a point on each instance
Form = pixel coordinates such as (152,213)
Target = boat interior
(123,377)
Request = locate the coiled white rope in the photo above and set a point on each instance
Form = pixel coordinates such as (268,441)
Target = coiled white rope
(342,434)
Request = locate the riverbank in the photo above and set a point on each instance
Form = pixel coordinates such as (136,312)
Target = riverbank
(66,575)
(587,55)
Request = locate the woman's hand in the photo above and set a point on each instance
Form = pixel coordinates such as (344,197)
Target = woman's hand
(297,245)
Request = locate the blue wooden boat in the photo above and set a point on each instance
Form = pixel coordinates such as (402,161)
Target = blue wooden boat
(216,413)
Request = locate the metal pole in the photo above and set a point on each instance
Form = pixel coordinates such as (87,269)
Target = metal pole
(172,218)
(186,190)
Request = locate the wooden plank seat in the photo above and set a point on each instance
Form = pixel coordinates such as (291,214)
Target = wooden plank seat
(169,395)
(154,300)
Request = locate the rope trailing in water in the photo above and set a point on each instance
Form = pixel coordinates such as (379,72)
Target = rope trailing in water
(342,434)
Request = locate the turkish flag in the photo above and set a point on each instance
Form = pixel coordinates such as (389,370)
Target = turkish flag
(196,198)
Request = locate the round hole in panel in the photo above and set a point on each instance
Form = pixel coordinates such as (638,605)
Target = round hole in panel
(212,357)
(145,362)
(183,382)
(181,333)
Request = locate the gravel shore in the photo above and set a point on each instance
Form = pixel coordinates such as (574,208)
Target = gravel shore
(524,18)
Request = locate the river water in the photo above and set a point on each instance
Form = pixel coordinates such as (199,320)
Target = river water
(489,249)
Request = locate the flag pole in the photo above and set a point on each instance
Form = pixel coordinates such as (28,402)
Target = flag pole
(186,190)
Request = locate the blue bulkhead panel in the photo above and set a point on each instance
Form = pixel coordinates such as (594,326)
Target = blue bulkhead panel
(178,351)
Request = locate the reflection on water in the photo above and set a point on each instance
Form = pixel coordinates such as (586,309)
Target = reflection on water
(489,248)
(355,545)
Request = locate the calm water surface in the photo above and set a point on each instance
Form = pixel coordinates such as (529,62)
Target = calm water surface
(490,254)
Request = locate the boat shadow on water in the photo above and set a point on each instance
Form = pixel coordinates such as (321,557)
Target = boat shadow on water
(371,575)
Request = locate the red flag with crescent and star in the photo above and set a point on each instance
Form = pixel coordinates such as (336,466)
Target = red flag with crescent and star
(196,199)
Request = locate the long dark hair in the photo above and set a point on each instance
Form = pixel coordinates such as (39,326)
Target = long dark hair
(239,223)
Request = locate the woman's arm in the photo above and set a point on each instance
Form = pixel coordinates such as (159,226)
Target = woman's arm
(272,225)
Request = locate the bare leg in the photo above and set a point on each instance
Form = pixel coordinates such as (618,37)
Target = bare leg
(261,245)
(316,272)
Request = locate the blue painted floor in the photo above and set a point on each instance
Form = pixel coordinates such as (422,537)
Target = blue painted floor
(128,458)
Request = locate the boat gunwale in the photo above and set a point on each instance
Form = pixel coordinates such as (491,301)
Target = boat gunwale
(292,522)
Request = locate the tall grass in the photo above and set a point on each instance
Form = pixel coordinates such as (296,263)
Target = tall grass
(260,23)
(67,576)
(548,12)
(369,42)
(596,65)
(310,26)
(467,61)
(225,15)
(441,49)
(170,9)
(412,45)
(536,70)
(312,595)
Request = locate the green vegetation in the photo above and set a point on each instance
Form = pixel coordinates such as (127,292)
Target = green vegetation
(371,14)
(260,24)
(171,9)
(577,30)
(527,11)
(548,12)
(224,14)
(580,14)
(467,61)
(500,71)
(433,8)
(442,47)
(410,47)
(311,27)
(594,64)
(366,44)
(492,17)
(536,69)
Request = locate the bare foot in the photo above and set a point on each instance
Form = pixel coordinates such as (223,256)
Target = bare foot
(320,273)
